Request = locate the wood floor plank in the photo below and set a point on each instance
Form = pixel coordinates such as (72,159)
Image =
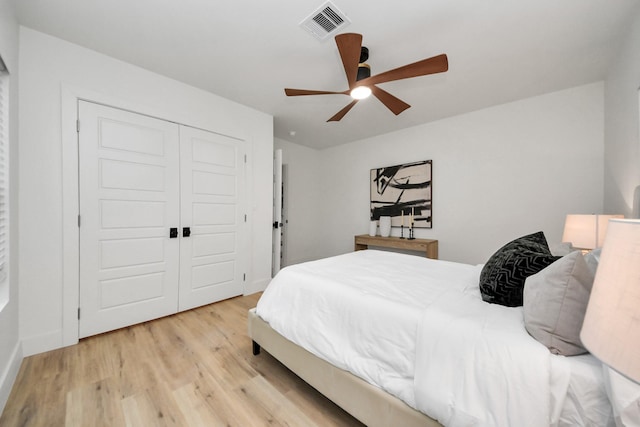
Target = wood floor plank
(220,401)
(267,404)
(135,410)
(96,404)
(190,369)
(164,409)
(195,409)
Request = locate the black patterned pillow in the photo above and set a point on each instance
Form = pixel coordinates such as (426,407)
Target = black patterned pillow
(502,278)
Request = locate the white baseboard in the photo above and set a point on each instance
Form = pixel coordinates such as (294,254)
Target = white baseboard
(9,375)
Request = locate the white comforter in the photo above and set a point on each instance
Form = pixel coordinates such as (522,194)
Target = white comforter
(418,329)
(477,366)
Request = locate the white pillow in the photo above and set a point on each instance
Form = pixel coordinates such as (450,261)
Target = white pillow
(624,396)
(555,301)
(561,249)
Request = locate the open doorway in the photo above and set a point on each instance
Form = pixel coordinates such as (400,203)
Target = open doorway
(279,213)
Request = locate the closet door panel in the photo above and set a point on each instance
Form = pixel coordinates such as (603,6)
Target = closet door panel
(129,198)
(212,191)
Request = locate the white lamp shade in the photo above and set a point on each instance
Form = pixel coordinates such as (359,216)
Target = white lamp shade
(586,231)
(611,328)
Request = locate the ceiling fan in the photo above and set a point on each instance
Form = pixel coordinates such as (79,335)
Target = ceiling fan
(362,84)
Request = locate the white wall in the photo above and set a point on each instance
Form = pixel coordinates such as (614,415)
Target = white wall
(10,349)
(622,118)
(49,67)
(304,228)
(498,173)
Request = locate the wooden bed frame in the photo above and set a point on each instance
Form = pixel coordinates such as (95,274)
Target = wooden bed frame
(369,404)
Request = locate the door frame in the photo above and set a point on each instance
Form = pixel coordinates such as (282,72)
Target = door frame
(276,252)
(70,96)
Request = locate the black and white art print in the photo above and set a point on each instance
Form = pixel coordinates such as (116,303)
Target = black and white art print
(403,192)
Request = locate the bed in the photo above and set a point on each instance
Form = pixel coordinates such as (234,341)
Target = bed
(397,339)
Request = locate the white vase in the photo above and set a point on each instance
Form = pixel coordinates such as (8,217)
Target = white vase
(385,226)
(373,225)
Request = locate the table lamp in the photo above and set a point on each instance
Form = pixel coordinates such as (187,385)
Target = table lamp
(611,328)
(586,232)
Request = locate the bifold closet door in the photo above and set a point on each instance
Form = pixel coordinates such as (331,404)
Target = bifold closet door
(212,217)
(129,200)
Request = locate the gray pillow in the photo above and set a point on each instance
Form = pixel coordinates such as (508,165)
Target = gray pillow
(555,301)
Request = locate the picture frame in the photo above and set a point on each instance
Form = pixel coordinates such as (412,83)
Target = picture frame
(403,192)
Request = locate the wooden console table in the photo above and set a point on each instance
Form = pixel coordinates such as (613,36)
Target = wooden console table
(427,246)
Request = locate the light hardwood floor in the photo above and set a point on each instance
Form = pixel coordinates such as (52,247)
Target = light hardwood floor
(191,369)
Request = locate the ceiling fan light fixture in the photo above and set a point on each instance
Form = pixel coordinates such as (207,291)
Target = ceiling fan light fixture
(360,92)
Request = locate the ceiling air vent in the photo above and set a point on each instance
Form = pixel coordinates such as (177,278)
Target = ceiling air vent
(325,21)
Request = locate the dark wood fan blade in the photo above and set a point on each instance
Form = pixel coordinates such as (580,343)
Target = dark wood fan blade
(394,104)
(340,114)
(349,45)
(300,92)
(436,64)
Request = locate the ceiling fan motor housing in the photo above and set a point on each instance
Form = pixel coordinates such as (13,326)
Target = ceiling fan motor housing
(364,54)
(364,71)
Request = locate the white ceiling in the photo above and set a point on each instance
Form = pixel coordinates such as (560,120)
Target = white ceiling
(249,50)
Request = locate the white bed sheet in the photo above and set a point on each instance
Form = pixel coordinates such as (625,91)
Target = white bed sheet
(366,312)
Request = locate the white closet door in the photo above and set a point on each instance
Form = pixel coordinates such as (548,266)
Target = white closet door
(212,188)
(129,200)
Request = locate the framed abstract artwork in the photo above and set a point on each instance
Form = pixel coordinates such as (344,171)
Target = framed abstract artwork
(403,192)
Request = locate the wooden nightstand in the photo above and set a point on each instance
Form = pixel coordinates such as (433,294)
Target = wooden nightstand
(427,246)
